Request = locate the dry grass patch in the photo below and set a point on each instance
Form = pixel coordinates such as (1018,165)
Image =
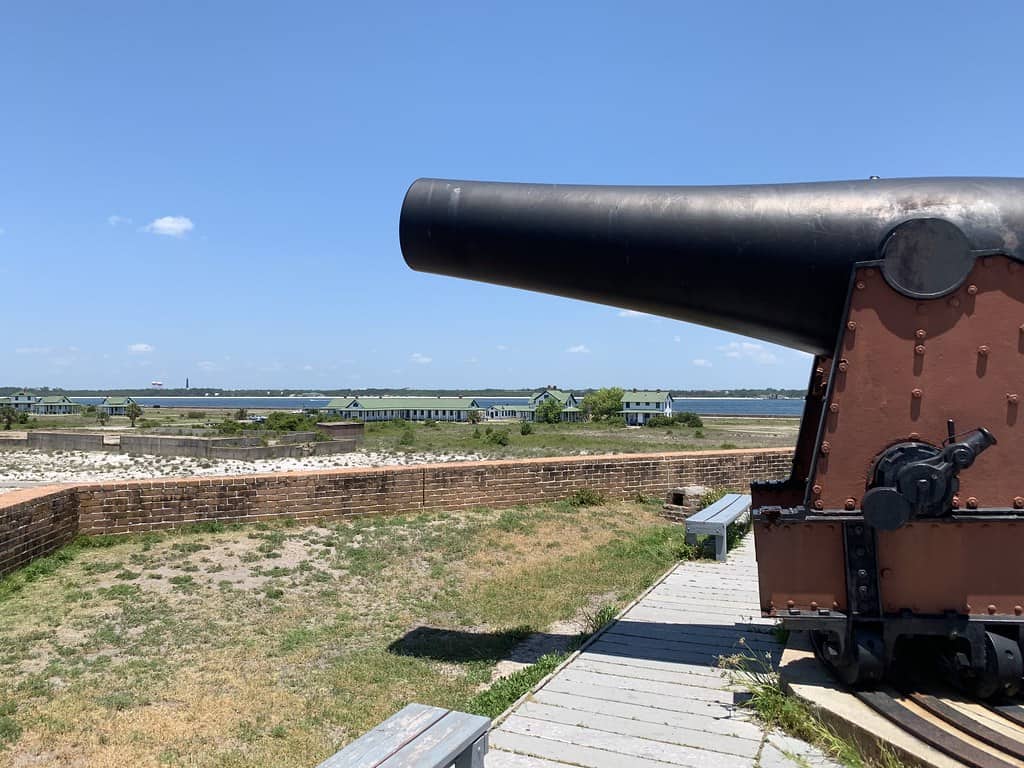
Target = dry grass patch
(275,645)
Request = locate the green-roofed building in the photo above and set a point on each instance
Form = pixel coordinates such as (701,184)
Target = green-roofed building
(639,406)
(385,408)
(570,406)
(116,406)
(23,401)
(56,405)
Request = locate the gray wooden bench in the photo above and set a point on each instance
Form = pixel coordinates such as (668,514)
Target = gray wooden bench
(418,737)
(715,519)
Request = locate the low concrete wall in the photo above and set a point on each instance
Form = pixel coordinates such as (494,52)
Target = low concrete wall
(168,445)
(296,437)
(326,447)
(53,514)
(343,430)
(261,452)
(68,441)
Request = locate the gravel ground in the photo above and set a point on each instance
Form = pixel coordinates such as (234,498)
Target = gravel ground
(26,468)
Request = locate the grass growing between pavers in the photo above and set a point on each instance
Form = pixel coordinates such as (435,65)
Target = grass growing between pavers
(275,645)
(779,711)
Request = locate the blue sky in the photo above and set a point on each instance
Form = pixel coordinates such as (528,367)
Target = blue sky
(212,190)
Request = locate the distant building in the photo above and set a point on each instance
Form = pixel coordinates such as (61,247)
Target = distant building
(23,401)
(115,406)
(570,407)
(384,408)
(54,405)
(638,407)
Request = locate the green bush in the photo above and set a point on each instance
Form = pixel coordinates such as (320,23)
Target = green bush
(195,415)
(585,497)
(688,419)
(549,411)
(661,421)
(699,434)
(476,433)
(278,421)
(229,427)
(525,428)
(408,437)
(498,437)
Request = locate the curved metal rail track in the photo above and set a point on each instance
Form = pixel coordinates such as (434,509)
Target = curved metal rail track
(978,735)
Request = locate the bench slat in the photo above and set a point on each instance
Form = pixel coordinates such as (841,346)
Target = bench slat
(386,739)
(445,741)
(714,519)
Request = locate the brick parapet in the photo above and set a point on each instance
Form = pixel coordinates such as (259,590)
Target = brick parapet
(38,521)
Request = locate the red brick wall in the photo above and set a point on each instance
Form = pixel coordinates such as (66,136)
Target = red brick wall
(34,523)
(144,505)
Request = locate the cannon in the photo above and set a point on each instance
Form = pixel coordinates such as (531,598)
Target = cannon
(902,521)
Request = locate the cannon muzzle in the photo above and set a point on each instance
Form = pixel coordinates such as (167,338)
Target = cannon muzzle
(768,261)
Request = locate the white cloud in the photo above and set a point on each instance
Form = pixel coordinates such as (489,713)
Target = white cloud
(416,357)
(632,313)
(677,339)
(501,348)
(33,350)
(171,226)
(748,350)
(700,362)
(140,348)
(207,365)
(307,367)
(116,220)
(579,349)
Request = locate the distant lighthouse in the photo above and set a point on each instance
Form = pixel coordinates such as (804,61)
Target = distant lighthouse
(186,382)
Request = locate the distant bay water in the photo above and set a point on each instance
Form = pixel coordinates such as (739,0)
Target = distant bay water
(707,406)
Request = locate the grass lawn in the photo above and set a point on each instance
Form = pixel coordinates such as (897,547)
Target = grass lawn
(276,645)
(567,439)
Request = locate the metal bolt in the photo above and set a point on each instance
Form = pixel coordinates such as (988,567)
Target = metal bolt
(844,365)
(850,504)
(851,326)
(826,447)
(862,589)
(819,504)
(972,289)
(916,393)
(1011,397)
(1018,610)
(833,408)
(862,573)
(816,488)
(814,605)
(954,302)
(860,285)
(983,350)
(920,333)
(956,502)
(790,604)
(914,435)
(1018,502)
(919,349)
(991,609)
(972,502)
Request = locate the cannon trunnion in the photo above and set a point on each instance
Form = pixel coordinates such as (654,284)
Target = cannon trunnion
(903,517)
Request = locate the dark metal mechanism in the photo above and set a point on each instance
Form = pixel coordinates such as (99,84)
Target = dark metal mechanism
(917,480)
(909,292)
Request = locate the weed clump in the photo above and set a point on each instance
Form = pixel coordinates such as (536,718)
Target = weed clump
(585,497)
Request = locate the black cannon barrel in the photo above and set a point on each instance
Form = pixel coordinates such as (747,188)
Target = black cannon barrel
(768,261)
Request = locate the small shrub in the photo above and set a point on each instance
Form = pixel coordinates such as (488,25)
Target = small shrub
(195,415)
(498,436)
(699,434)
(476,433)
(408,437)
(599,619)
(506,690)
(585,497)
(661,421)
(728,446)
(525,428)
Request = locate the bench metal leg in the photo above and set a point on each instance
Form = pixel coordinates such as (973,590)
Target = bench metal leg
(474,756)
(721,544)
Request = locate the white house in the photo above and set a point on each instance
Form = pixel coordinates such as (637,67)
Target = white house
(23,401)
(638,407)
(570,407)
(383,408)
(116,406)
(53,405)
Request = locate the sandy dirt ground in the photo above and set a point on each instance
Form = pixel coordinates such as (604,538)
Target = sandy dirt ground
(28,468)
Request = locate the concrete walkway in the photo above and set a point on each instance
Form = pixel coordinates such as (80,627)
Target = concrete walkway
(648,692)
